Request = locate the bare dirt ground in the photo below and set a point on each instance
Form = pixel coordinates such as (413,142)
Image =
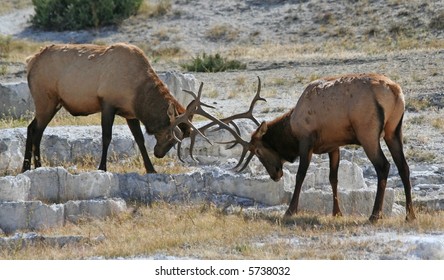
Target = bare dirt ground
(278,41)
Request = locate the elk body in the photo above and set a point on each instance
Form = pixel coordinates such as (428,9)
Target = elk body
(114,80)
(332,112)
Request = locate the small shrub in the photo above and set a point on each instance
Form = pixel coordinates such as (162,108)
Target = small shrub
(437,22)
(156,53)
(63,15)
(222,33)
(417,104)
(324,18)
(212,63)
(3,70)
(161,8)
(5,46)
(438,123)
(418,155)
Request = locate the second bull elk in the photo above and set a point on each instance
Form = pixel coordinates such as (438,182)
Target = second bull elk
(332,112)
(114,80)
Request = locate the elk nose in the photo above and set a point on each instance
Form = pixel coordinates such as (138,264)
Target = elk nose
(158,153)
(278,175)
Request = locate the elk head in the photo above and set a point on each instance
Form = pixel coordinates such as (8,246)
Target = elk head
(181,126)
(175,132)
(271,160)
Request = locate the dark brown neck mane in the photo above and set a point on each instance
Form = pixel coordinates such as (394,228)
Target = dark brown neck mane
(156,99)
(279,138)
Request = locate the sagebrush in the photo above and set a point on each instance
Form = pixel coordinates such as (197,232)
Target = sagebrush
(60,15)
(212,63)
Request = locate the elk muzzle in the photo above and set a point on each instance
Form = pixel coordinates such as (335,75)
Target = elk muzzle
(275,174)
(165,140)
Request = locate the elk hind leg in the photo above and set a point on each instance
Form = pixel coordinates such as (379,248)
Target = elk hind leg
(382,167)
(394,143)
(35,133)
(333,177)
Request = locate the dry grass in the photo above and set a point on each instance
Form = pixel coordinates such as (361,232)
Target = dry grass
(205,231)
(17,50)
(222,32)
(331,48)
(438,123)
(170,229)
(10,5)
(155,8)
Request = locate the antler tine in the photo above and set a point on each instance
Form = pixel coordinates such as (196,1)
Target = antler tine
(197,98)
(191,110)
(256,98)
(243,154)
(179,145)
(248,114)
(250,156)
(192,142)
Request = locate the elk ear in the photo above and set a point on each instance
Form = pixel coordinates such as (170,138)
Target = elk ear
(262,129)
(171,112)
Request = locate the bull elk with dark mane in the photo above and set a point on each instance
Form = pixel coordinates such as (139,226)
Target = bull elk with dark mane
(333,112)
(114,80)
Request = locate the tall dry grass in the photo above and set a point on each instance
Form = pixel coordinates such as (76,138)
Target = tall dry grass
(205,231)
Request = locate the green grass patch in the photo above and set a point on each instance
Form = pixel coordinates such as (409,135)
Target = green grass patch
(212,63)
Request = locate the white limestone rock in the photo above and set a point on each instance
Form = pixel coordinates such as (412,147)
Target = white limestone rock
(14,188)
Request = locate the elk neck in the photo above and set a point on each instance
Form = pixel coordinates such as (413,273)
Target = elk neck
(280,138)
(151,104)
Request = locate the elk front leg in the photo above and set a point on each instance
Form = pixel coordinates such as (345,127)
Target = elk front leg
(134,126)
(29,145)
(304,162)
(108,115)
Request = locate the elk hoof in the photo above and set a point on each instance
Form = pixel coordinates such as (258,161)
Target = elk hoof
(337,214)
(410,217)
(374,218)
(288,214)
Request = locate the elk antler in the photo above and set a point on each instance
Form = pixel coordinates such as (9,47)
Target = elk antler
(224,124)
(195,107)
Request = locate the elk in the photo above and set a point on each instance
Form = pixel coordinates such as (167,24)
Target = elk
(332,112)
(114,80)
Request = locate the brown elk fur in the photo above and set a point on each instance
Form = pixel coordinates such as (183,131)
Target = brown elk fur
(86,79)
(332,112)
